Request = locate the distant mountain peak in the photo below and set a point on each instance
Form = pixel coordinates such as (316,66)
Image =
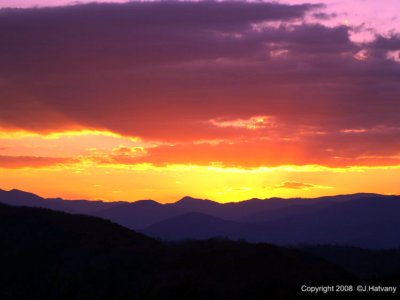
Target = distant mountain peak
(18,191)
(191,200)
(148,202)
(188,199)
(22,193)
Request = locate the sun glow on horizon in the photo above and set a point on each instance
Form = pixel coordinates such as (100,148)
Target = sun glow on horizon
(95,164)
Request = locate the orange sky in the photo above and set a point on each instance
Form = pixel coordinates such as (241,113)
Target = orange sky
(219,100)
(103,165)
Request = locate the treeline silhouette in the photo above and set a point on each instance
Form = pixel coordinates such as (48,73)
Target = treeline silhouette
(54,255)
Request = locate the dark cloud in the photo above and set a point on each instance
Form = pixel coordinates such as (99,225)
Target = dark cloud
(142,32)
(324,16)
(391,42)
(161,70)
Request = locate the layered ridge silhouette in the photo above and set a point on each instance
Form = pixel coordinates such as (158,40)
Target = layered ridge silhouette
(361,220)
(55,255)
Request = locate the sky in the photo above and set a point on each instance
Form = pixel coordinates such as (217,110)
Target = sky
(219,100)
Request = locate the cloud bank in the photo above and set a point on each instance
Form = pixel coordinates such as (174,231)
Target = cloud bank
(194,76)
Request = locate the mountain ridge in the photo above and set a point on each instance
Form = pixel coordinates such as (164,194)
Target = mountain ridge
(361,219)
(57,255)
(189,199)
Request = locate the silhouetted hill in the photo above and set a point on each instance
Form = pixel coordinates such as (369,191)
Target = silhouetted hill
(142,213)
(21,198)
(362,220)
(228,211)
(362,262)
(138,214)
(198,226)
(54,255)
(285,212)
(287,208)
(370,222)
(255,210)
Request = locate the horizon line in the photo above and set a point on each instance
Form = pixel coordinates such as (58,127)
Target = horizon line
(195,198)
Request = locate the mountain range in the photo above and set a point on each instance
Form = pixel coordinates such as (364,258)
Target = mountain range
(53,255)
(360,220)
(47,254)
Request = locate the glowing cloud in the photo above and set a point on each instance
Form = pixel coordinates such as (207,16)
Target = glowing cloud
(253,123)
(361,55)
(394,55)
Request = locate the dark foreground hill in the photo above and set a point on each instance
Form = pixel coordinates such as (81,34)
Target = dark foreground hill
(365,263)
(52,255)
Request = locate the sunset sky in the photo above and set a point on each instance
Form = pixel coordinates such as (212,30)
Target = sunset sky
(220,100)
